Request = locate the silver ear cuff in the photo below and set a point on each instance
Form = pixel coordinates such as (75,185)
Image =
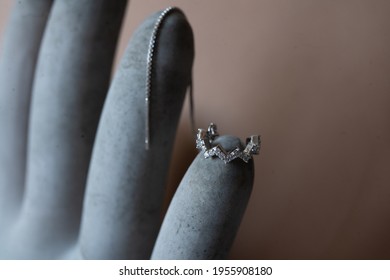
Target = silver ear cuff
(149,73)
(205,138)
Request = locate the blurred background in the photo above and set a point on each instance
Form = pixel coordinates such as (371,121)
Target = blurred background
(312,78)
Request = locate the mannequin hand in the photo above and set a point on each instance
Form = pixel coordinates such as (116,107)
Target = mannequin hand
(72,189)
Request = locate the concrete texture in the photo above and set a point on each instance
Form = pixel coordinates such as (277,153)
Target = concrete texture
(25,28)
(125,188)
(312,77)
(207,208)
(71,83)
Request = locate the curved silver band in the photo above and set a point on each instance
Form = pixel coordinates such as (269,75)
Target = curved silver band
(204,140)
(149,73)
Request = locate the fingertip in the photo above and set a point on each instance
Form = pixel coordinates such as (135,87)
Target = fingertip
(206,210)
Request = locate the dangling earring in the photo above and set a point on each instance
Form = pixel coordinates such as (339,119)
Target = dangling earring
(149,70)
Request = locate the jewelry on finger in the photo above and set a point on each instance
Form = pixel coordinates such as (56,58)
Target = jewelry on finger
(149,73)
(205,138)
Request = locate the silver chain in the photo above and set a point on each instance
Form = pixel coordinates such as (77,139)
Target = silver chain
(149,73)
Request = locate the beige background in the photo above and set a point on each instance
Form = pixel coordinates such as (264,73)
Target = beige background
(312,77)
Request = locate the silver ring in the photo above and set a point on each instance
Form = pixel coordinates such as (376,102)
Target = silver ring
(205,138)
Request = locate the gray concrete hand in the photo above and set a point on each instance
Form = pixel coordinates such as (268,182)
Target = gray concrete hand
(75,178)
